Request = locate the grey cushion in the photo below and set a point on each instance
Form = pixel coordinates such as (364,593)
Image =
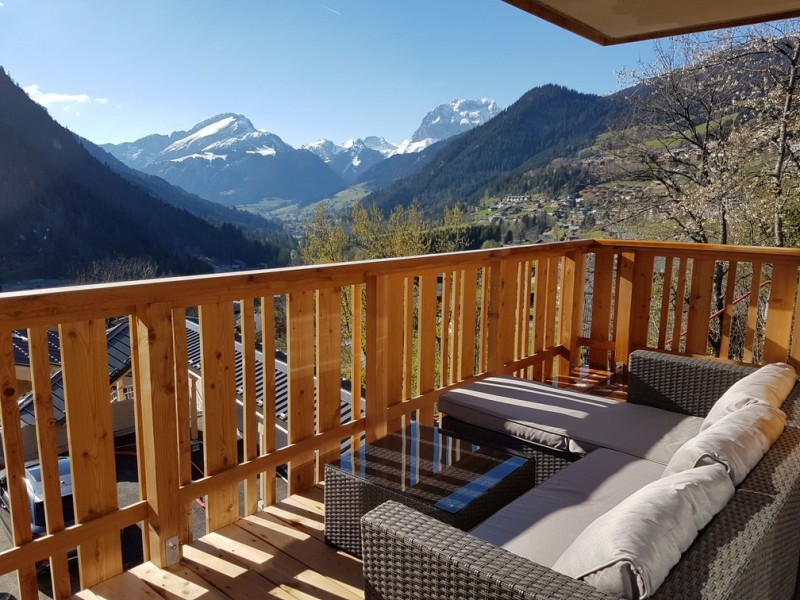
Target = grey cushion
(629,550)
(531,411)
(542,523)
(637,429)
(569,421)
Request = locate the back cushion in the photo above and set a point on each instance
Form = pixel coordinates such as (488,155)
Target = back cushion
(737,441)
(629,551)
(770,384)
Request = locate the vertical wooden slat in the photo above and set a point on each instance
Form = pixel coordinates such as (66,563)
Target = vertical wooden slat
(384,352)
(699,306)
(219,414)
(355,394)
(247,316)
(90,431)
(136,375)
(48,456)
(539,313)
(158,346)
(794,354)
(300,346)
(444,344)
(727,316)
(572,278)
(666,293)
(184,415)
(779,319)
(426,346)
(15,463)
(641,300)
(455,319)
(525,315)
(329,371)
(521,304)
(469,283)
(500,320)
(268,490)
(551,315)
(482,359)
(624,312)
(602,287)
(752,313)
(408,334)
(680,293)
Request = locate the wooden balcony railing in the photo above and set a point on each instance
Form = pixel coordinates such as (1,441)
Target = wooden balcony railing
(411,326)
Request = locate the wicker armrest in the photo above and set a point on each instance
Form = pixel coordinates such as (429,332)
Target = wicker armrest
(408,555)
(679,383)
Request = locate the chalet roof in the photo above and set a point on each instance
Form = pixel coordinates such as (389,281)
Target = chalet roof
(22,357)
(119,363)
(610,22)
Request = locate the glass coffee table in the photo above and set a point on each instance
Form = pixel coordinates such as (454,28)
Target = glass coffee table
(436,473)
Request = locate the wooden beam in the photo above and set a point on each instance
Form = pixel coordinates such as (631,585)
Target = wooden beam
(156,360)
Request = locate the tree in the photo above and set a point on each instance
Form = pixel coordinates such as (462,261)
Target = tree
(122,268)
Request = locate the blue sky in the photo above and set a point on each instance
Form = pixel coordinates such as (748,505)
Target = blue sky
(116,70)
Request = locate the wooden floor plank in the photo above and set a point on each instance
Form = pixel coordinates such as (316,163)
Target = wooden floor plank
(293,576)
(228,574)
(302,511)
(337,566)
(125,586)
(178,582)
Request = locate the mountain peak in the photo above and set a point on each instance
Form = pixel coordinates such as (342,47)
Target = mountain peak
(447,120)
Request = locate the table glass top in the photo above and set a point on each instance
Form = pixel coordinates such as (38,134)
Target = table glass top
(431,465)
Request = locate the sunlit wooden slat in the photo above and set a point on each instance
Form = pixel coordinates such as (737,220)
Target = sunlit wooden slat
(300,350)
(48,457)
(727,316)
(752,312)
(183,402)
(427,341)
(779,319)
(268,491)
(329,371)
(602,286)
(247,326)
(218,363)
(91,442)
(15,464)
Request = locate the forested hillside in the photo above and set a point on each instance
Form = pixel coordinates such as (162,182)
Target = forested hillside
(61,209)
(547,122)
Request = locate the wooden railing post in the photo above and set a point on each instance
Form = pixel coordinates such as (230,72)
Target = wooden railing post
(571,317)
(156,400)
(500,322)
(624,310)
(384,352)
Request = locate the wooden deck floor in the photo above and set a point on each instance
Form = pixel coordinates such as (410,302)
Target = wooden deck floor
(276,553)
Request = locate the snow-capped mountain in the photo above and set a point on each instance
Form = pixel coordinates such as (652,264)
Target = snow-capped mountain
(353,157)
(226,159)
(448,120)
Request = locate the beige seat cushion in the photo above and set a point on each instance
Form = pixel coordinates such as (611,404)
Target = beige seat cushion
(642,431)
(542,523)
(629,551)
(569,421)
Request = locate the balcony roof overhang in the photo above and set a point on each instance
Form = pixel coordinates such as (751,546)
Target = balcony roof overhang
(609,22)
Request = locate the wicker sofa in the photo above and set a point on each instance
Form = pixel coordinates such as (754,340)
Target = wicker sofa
(751,549)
